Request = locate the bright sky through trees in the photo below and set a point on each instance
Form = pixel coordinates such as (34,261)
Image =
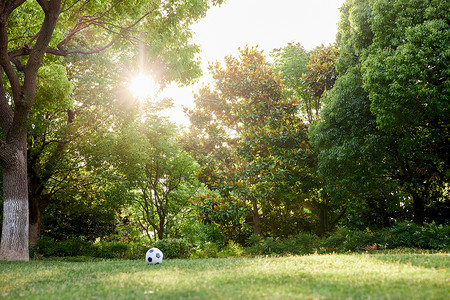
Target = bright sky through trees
(143,86)
(267,23)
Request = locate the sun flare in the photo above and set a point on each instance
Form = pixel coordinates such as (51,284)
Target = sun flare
(143,86)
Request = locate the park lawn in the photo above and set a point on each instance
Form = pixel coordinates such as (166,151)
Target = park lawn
(350,276)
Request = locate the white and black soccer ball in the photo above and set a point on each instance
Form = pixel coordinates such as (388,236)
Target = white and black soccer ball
(154,256)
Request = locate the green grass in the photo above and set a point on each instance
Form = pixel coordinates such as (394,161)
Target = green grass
(357,276)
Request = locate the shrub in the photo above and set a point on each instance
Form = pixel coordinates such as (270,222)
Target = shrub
(303,244)
(402,235)
(432,236)
(307,243)
(344,240)
(205,250)
(214,250)
(333,243)
(103,249)
(50,247)
(173,248)
(136,250)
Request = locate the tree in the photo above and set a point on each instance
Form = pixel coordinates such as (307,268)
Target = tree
(351,151)
(384,129)
(68,146)
(307,75)
(90,103)
(320,77)
(291,61)
(64,28)
(49,132)
(406,74)
(250,143)
(158,171)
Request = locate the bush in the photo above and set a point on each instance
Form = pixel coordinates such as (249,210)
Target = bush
(432,236)
(136,250)
(213,250)
(303,244)
(410,235)
(173,248)
(50,247)
(402,235)
(344,240)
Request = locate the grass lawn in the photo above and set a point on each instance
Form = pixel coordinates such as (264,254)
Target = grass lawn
(355,276)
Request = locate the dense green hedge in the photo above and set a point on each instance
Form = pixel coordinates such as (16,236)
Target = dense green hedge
(48,247)
(401,235)
(173,248)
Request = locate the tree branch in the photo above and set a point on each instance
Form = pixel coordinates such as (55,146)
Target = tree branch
(61,47)
(44,4)
(5,63)
(8,6)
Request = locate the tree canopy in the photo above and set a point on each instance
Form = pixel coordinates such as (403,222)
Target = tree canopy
(60,28)
(250,143)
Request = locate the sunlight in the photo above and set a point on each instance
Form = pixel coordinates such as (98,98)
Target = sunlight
(182,96)
(143,86)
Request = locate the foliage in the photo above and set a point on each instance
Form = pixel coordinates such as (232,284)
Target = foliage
(306,75)
(401,237)
(157,171)
(405,73)
(398,167)
(291,62)
(75,219)
(33,33)
(212,250)
(319,78)
(173,248)
(350,144)
(302,244)
(78,247)
(409,235)
(227,214)
(249,142)
(195,232)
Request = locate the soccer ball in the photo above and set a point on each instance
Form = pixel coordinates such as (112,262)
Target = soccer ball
(154,256)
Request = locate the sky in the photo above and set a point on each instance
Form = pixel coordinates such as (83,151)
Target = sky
(268,24)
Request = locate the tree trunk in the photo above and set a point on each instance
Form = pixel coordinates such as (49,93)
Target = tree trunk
(35,228)
(418,208)
(256,218)
(14,242)
(36,207)
(161,228)
(323,218)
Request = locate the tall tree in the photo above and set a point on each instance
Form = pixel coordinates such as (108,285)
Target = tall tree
(406,74)
(387,122)
(250,143)
(49,131)
(158,171)
(62,28)
(77,123)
